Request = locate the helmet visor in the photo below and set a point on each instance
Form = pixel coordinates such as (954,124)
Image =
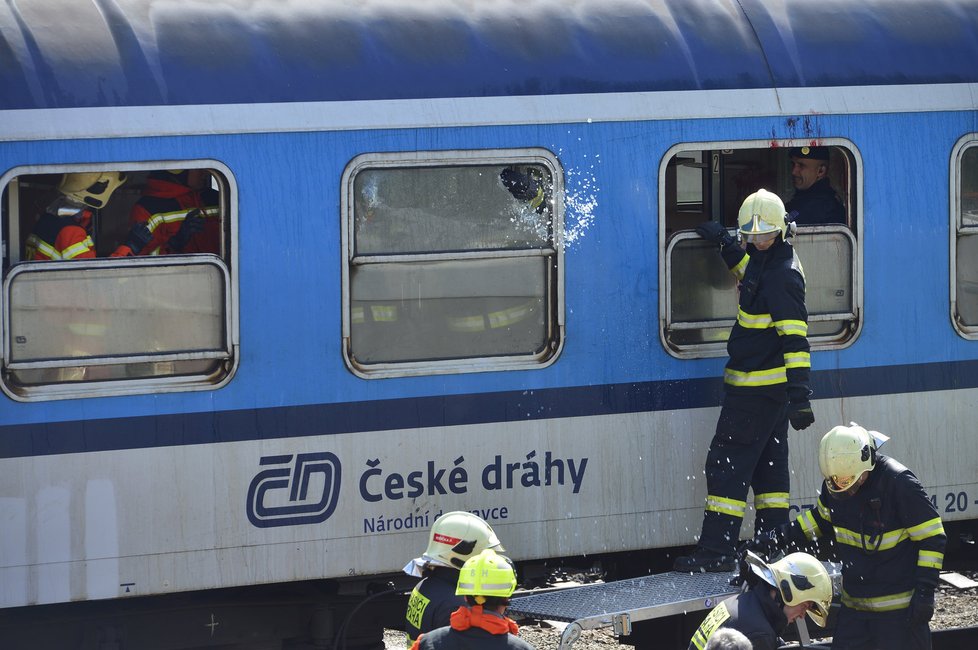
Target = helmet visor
(843,487)
(818,613)
(759,237)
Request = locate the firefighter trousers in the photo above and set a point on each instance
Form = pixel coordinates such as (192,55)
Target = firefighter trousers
(749,450)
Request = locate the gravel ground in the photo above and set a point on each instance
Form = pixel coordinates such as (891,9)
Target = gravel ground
(955,608)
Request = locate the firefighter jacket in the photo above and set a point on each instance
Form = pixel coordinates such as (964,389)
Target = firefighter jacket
(60,238)
(888,535)
(432,602)
(473,629)
(163,207)
(818,204)
(755,613)
(768,345)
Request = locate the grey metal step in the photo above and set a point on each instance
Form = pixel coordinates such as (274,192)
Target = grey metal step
(594,606)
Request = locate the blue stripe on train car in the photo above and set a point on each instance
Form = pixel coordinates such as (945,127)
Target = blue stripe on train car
(52,438)
(326,50)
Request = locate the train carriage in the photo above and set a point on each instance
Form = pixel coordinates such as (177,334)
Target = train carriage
(384,331)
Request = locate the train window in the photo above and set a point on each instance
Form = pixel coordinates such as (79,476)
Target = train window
(964,250)
(453,262)
(709,182)
(117,280)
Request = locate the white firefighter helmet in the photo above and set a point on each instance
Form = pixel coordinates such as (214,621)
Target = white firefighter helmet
(91,188)
(845,453)
(798,577)
(455,537)
(762,217)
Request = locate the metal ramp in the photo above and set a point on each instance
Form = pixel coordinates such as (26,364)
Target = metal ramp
(621,603)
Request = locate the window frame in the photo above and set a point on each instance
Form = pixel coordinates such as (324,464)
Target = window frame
(467,158)
(667,244)
(227,266)
(958,229)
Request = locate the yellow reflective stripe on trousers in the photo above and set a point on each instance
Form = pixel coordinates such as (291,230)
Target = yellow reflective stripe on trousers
(725,506)
(753,321)
(767,377)
(796,327)
(771,500)
(927,529)
(797,360)
(879,603)
(889,538)
(75,250)
(930,559)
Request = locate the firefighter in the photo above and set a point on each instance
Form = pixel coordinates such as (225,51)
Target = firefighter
(888,535)
(63,232)
(765,382)
(455,537)
(486,582)
(181,211)
(774,595)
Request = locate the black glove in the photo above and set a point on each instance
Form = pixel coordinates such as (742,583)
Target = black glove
(192,224)
(922,604)
(522,186)
(765,544)
(139,235)
(800,415)
(714,233)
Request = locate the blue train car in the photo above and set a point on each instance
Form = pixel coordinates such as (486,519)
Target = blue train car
(379,331)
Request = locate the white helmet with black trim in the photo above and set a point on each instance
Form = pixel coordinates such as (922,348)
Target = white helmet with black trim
(845,454)
(455,537)
(798,577)
(92,189)
(762,218)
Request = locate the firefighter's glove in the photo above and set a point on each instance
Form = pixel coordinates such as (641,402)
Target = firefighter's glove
(922,604)
(766,544)
(139,235)
(523,187)
(800,415)
(192,224)
(714,233)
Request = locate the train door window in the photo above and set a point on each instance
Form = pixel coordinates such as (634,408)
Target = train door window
(708,182)
(453,262)
(964,244)
(117,279)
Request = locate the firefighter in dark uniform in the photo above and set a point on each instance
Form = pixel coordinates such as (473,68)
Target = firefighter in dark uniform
(765,383)
(486,582)
(455,537)
(774,595)
(888,535)
(814,201)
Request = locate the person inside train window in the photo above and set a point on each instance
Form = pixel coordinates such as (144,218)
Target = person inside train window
(181,211)
(888,536)
(814,201)
(486,581)
(455,538)
(774,595)
(64,230)
(766,382)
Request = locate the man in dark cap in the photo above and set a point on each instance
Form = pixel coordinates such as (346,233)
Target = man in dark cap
(814,202)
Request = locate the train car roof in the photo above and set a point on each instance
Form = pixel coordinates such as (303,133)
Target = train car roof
(85,53)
